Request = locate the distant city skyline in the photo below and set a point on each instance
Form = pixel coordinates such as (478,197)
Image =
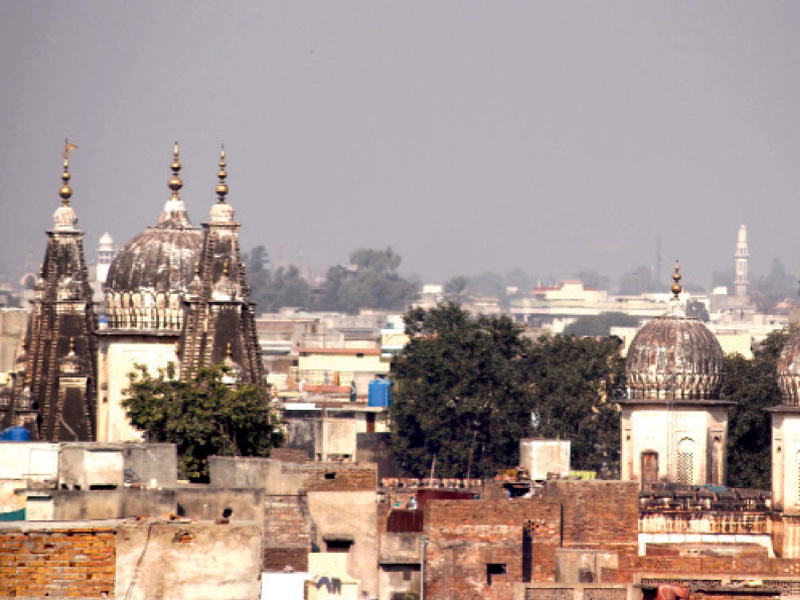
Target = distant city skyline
(469,137)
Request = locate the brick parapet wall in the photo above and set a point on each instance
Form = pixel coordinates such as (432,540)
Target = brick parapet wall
(465,536)
(287,533)
(602,514)
(350,478)
(58,563)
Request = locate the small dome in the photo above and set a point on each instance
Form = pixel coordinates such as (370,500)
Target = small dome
(106,242)
(221,212)
(789,371)
(65,218)
(675,357)
(71,364)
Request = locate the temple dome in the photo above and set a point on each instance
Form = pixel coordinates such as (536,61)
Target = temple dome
(162,258)
(675,357)
(789,371)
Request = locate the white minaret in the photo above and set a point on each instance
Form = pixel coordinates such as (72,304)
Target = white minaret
(105,254)
(741,263)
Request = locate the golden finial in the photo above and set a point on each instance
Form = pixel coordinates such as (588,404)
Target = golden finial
(69,269)
(66,191)
(222,187)
(229,352)
(72,345)
(175,182)
(41,270)
(225,268)
(676,288)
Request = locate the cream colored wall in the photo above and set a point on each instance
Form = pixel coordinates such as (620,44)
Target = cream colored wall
(370,363)
(661,429)
(785,449)
(117,358)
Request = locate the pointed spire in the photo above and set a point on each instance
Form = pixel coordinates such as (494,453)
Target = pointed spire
(222,187)
(65,218)
(676,288)
(222,212)
(175,182)
(174,210)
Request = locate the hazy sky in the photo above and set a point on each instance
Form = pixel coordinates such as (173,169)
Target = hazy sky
(469,136)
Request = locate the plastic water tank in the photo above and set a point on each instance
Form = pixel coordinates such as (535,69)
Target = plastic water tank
(15,434)
(380,392)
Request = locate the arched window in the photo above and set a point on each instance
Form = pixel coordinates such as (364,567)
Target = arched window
(686,461)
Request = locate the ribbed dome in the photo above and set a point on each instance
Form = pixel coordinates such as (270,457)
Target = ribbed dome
(675,357)
(162,258)
(789,371)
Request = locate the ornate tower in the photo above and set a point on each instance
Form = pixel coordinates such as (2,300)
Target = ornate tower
(105,254)
(144,294)
(220,319)
(741,263)
(58,378)
(674,424)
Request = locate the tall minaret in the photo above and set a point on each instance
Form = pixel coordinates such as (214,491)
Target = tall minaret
(741,263)
(105,255)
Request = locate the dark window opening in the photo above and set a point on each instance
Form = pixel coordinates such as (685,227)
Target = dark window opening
(103,486)
(495,571)
(338,545)
(330,475)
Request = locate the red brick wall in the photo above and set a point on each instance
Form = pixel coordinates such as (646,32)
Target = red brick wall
(596,513)
(77,563)
(287,533)
(344,479)
(464,536)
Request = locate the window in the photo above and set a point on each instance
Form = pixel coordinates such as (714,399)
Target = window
(686,461)
(338,545)
(495,571)
(716,462)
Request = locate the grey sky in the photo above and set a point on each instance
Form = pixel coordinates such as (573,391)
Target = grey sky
(469,136)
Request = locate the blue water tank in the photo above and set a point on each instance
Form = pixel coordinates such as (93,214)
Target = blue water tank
(15,434)
(380,392)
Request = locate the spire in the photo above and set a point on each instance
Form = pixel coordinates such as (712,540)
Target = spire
(175,182)
(676,288)
(65,218)
(222,187)
(221,212)
(174,214)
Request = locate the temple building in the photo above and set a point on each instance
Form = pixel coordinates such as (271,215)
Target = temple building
(220,325)
(674,423)
(53,391)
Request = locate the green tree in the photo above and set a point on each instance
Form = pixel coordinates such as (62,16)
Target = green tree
(575,384)
(600,325)
(752,385)
(461,394)
(468,389)
(202,417)
(371,282)
(698,310)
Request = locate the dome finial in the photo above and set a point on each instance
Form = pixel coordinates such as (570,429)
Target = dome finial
(175,182)
(676,288)
(66,191)
(222,187)
(228,351)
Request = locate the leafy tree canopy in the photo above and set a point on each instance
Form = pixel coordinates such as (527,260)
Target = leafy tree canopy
(752,385)
(468,389)
(203,417)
